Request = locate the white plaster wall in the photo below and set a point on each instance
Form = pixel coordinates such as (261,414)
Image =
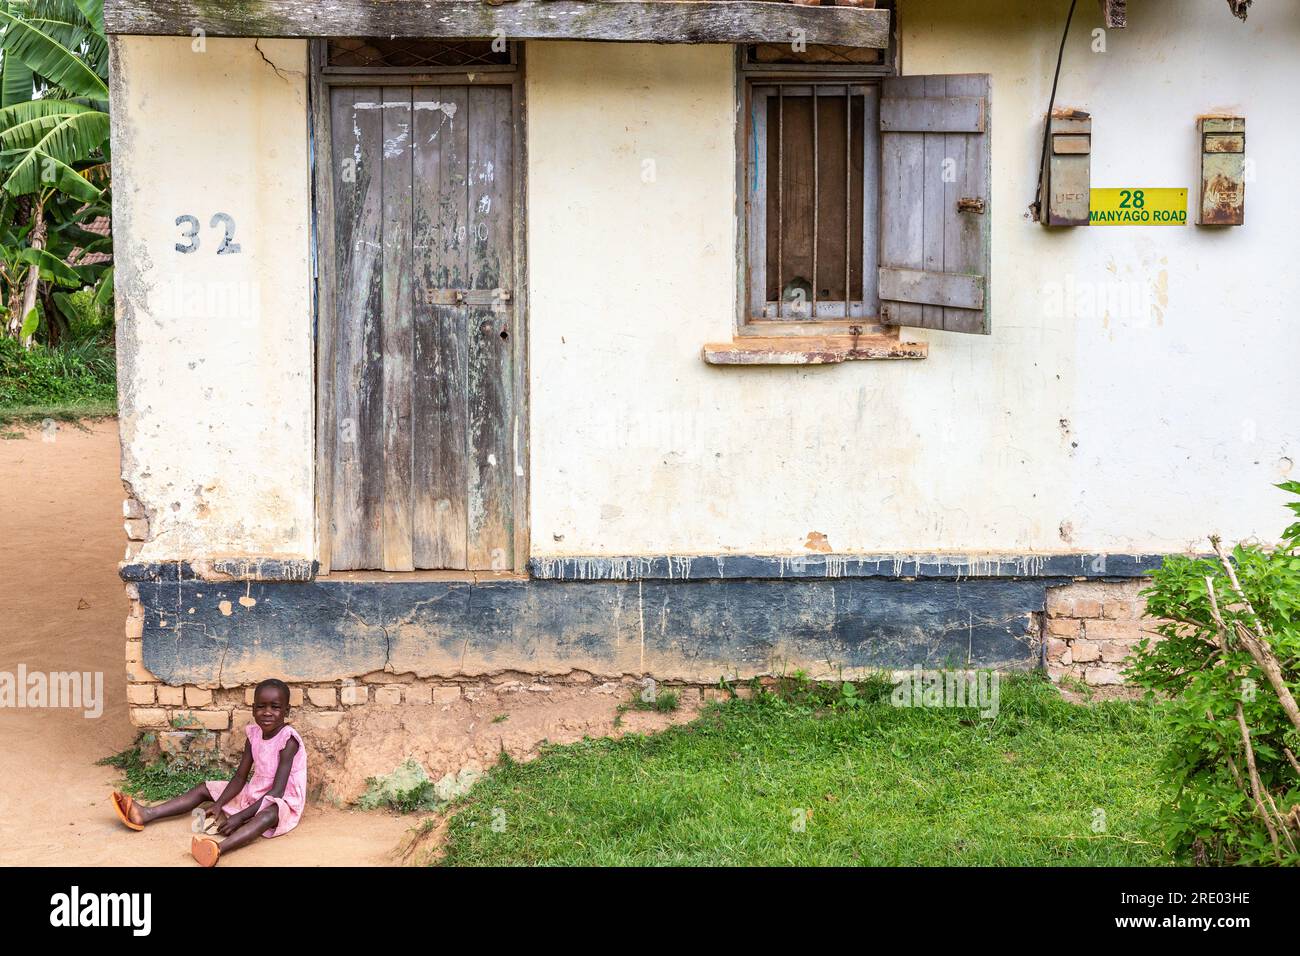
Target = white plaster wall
(1074,426)
(214,351)
(1077,428)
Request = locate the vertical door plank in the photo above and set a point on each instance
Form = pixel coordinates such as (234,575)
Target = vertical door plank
(356,506)
(966,241)
(933,146)
(398,334)
(441,255)
(491,328)
(902,170)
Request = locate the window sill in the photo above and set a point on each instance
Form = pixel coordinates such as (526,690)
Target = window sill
(815,350)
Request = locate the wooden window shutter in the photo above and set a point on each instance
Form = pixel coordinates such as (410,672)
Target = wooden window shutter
(934,202)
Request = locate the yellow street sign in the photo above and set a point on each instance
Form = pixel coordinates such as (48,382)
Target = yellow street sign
(1138,207)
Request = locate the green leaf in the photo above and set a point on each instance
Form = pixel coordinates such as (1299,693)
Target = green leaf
(39,170)
(49,58)
(29,325)
(104,292)
(17,85)
(92,10)
(52,267)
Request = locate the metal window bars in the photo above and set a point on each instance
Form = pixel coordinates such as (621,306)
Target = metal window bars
(779,293)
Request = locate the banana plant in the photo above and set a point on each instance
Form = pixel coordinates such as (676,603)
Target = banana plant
(54,147)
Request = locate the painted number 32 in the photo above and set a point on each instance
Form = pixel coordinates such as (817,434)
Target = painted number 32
(190,234)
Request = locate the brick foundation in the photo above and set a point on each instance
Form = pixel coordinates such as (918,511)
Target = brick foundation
(1089,628)
(1092,626)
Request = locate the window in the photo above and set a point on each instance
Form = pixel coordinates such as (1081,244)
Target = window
(812,221)
(865,196)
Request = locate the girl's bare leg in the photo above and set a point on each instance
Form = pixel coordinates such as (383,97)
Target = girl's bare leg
(262,821)
(174,807)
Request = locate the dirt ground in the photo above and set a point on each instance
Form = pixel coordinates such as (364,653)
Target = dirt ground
(63,608)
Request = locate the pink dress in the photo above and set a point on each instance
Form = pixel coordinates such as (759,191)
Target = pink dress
(266,759)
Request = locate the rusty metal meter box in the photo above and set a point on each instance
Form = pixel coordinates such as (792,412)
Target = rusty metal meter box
(1067,174)
(1222,198)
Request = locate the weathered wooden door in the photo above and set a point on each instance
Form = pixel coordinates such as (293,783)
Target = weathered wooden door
(422,470)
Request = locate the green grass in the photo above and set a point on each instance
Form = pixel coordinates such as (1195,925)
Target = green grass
(74,410)
(886,786)
(159,780)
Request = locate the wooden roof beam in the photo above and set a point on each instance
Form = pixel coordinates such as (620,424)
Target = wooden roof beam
(655,21)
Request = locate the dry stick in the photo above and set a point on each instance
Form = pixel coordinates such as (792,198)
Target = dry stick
(1255,643)
(1282,821)
(1255,786)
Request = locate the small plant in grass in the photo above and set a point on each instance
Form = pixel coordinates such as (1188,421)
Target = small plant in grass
(1229,663)
(163,778)
(650,697)
(407,789)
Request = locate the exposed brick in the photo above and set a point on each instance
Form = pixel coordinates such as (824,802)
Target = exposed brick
(1113,630)
(445,695)
(689,695)
(1062,627)
(388,694)
(421,694)
(323,696)
(319,721)
(139,694)
(207,719)
(171,696)
(1115,653)
(148,717)
(239,719)
(1086,607)
(197,697)
(138,673)
(137,529)
(131,508)
(1085,651)
(134,652)
(716,693)
(1101,676)
(353,694)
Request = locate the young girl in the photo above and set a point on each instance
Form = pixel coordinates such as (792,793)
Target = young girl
(271,804)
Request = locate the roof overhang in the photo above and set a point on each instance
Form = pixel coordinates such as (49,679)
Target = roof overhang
(653,21)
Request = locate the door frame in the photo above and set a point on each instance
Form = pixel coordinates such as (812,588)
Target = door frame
(321,81)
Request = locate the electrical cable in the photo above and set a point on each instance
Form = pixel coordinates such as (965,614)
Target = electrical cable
(1037,206)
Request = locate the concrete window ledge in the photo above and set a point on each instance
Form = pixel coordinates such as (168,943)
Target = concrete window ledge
(817,350)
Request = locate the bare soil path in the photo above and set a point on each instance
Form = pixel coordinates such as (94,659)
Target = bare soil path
(62,608)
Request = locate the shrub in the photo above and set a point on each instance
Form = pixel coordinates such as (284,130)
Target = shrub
(78,372)
(1229,667)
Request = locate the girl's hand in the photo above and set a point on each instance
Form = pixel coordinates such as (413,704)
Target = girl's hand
(232,823)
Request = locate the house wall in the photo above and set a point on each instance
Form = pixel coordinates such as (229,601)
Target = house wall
(1132,398)
(1096,418)
(214,351)
(1099,414)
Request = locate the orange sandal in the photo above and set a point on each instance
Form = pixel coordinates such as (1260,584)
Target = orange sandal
(122,804)
(205,850)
